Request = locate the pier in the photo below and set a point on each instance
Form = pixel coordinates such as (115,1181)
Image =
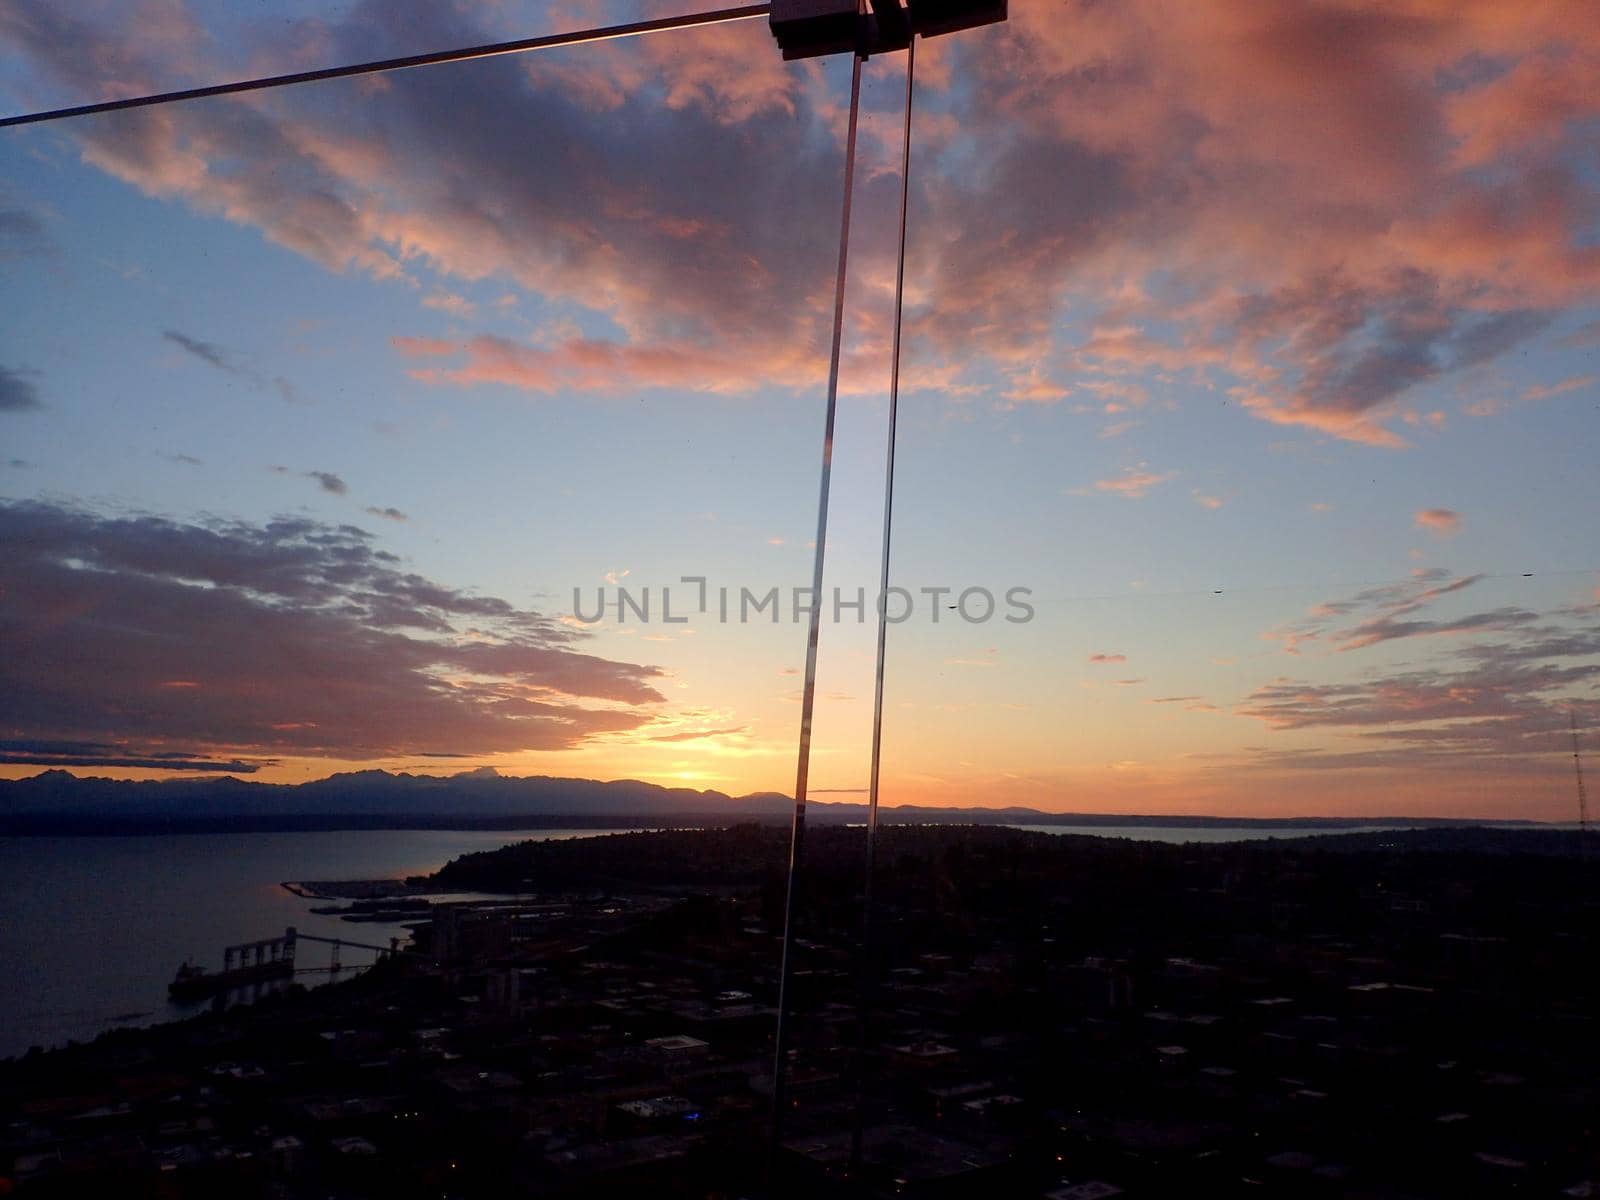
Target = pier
(269,960)
(243,965)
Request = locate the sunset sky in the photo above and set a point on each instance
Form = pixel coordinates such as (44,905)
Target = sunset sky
(1259,341)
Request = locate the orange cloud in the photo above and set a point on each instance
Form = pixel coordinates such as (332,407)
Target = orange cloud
(420,347)
(1546,391)
(1133,484)
(1445,522)
(1320,207)
(1291,196)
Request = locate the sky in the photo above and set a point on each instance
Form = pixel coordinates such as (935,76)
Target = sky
(1248,404)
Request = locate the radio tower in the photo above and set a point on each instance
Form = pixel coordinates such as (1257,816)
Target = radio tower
(1583,799)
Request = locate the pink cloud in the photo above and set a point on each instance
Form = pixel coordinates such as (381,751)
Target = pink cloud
(1491,405)
(1316,209)
(421,347)
(591,365)
(1445,522)
(1337,242)
(1034,387)
(1108,658)
(627,208)
(1390,612)
(308,640)
(1134,484)
(1575,383)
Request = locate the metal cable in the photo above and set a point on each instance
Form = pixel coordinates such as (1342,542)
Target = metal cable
(808,696)
(465,54)
(868,947)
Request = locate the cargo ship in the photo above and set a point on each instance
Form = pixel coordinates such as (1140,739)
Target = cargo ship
(196,983)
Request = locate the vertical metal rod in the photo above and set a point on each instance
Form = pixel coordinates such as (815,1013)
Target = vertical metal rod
(1583,799)
(868,942)
(808,696)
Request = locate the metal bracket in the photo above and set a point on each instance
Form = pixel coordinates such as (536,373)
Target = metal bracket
(813,28)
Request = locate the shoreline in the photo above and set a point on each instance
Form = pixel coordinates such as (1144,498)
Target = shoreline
(103,824)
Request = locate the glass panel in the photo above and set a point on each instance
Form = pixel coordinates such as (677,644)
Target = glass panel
(1235,449)
(460,421)
(1291,453)
(397,467)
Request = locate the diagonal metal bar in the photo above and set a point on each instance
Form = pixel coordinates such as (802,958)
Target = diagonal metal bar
(808,696)
(868,940)
(465,54)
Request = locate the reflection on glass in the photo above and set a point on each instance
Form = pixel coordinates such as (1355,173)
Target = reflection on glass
(449,378)
(406,480)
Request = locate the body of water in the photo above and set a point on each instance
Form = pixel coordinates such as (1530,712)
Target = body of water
(92,928)
(1205,833)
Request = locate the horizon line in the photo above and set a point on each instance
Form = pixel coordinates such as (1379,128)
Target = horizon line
(483,773)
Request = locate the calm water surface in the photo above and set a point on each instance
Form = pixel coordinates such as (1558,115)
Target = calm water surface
(1204,833)
(92,928)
